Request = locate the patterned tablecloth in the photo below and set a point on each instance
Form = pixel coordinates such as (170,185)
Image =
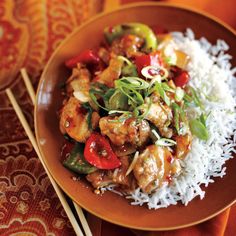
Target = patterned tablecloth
(29,31)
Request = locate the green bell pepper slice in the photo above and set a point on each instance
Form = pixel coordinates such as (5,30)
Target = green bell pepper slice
(139,29)
(76,162)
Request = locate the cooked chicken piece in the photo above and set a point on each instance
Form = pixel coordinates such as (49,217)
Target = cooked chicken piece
(183,145)
(73,120)
(160,116)
(111,73)
(154,166)
(129,46)
(79,83)
(127,131)
(104,54)
(99,179)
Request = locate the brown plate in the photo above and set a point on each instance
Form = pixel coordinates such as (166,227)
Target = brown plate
(112,207)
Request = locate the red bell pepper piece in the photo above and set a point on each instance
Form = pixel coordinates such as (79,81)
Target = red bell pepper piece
(86,57)
(152,59)
(98,152)
(180,77)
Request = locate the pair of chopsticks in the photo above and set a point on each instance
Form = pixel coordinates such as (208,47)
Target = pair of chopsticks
(33,141)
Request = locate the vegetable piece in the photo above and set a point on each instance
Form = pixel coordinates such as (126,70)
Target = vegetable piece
(179,94)
(152,59)
(118,101)
(75,160)
(197,128)
(131,166)
(195,98)
(99,153)
(182,59)
(165,142)
(86,57)
(151,72)
(141,30)
(181,79)
(128,69)
(161,91)
(90,112)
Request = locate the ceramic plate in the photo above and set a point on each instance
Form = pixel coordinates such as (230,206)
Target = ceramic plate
(110,206)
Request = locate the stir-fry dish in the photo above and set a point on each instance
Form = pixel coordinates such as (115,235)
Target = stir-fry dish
(124,110)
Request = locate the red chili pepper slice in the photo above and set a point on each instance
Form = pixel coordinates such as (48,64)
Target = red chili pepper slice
(98,152)
(152,59)
(180,77)
(86,57)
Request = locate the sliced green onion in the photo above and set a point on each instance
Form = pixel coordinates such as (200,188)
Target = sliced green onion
(118,111)
(179,94)
(167,88)
(131,166)
(132,83)
(165,142)
(198,129)
(117,101)
(195,97)
(92,93)
(90,112)
(129,69)
(146,72)
(124,59)
(162,93)
(156,134)
(176,116)
(137,109)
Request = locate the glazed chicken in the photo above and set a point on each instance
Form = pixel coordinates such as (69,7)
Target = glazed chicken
(73,120)
(154,166)
(111,73)
(160,116)
(79,83)
(128,131)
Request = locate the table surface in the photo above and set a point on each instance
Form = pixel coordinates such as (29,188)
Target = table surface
(30,31)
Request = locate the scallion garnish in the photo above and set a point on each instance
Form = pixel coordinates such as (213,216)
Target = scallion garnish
(158,87)
(90,112)
(151,72)
(165,142)
(199,129)
(179,94)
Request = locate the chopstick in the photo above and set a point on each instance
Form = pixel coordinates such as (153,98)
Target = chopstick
(28,85)
(32,94)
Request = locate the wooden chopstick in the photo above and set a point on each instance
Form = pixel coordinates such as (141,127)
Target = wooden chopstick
(32,94)
(30,134)
(28,85)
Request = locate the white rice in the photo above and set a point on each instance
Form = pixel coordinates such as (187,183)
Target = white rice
(211,73)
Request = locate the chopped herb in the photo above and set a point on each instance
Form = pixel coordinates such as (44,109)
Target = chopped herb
(197,128)
(179,94)
(161,91)
(195,97)
(92,94)
(90,112)
(165,142)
